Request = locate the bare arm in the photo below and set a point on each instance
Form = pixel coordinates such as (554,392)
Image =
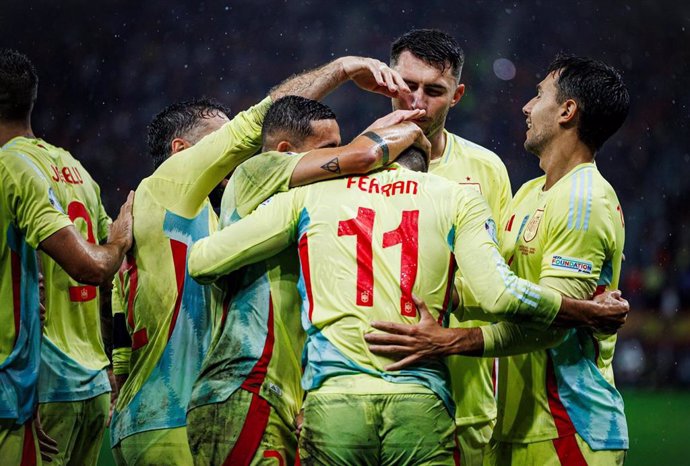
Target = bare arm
(92,263)
(368,73)
(427,339)
(371,150)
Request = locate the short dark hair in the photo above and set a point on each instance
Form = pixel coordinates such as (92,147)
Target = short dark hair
(176,121)
(434,47)
(414,159)
(18,85)
(293,115)
(599,91)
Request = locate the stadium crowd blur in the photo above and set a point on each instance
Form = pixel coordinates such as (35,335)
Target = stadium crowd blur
(107,67)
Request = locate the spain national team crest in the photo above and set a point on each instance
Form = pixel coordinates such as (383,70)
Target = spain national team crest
(532,226)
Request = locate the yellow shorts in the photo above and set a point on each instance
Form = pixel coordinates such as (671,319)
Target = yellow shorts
(77,427)
(244,430)
(167,447)
(570,450)
(391,429)
(18,444)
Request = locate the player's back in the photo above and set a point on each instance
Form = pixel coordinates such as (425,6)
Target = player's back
(366,244)
(73,352)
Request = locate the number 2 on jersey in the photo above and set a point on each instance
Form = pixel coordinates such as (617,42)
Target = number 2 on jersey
(406,234)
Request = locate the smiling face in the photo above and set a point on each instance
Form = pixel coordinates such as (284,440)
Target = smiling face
(432,89)
(542,113)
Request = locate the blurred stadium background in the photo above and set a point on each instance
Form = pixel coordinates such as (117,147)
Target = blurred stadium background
(107,67)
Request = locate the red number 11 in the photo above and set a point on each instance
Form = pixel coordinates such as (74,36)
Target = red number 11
(406,235)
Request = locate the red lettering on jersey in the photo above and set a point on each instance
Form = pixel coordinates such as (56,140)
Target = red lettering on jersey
(77,175)
(69,175)
(371,185)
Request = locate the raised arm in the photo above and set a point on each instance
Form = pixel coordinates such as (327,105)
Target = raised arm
(427,339)
(367,73)
(376,147)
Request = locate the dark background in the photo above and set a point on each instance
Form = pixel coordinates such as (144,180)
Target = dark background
(106,67)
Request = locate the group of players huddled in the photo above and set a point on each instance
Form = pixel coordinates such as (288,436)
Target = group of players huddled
(382,302)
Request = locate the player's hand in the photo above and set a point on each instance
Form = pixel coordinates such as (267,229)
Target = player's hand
(299,421)
(412,343)
(46,444)
(374,76)
(611,313)
(394,118)
(121,228)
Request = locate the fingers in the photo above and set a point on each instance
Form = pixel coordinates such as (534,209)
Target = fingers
(403,363)
(422,308)
(395,118)
(388,339)
(392,327)
(391,350)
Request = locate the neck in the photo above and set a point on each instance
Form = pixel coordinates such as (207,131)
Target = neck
(438,144)
(11,129)
(559,159)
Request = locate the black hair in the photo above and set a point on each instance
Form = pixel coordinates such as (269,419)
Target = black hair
(432,46)
(293,115)
(18,85)
(601,95)
(414,159)
(177,120)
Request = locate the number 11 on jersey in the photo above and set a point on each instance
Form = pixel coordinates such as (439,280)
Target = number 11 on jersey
(406,234)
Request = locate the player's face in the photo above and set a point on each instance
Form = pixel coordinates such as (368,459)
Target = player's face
(542,114)
(431,89)
(326,133)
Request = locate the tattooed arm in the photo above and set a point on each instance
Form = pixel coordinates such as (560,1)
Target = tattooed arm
(380,145)
(368,73)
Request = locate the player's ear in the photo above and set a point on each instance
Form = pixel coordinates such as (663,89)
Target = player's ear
(457,95)
(178,144)
(285,146)
(569,110)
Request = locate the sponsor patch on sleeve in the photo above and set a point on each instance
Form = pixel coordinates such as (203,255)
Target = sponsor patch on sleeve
(571,264)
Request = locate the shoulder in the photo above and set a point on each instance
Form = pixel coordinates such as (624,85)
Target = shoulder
(584,199)
(473,150)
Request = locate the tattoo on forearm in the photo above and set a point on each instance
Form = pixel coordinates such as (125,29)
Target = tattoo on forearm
(381,143)
(332,166)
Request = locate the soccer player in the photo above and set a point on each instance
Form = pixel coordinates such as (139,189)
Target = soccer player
(430,62)
(558,403)
(169,317)
(361,257)
(248,393)
(73,382)
(31,217)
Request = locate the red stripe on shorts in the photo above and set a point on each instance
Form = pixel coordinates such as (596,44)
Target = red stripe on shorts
(252,431)
(566,446)
(29,448)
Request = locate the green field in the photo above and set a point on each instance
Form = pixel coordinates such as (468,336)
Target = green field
(659,425)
